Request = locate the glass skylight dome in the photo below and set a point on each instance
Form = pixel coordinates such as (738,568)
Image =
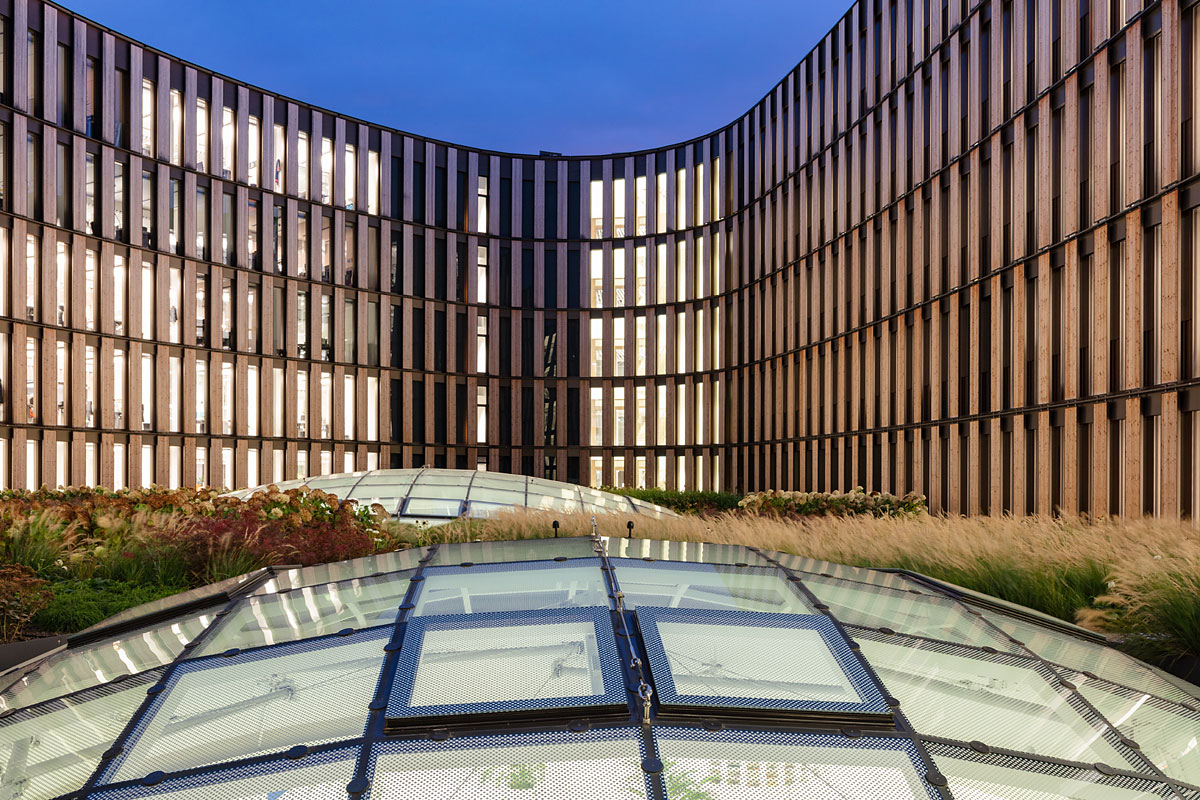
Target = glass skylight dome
(597,668)
(433,496)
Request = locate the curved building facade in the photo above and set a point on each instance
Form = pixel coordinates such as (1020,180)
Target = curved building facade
(953,251)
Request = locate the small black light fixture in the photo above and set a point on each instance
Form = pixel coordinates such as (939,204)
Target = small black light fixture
(629,525)
(555,525)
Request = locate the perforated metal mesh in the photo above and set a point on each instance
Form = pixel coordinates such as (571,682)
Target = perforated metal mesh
(318,776)
(1085,656)
(918,614)
(710,586)
(976,776)
(219,709)
(475,663)
(79,668)
(308,612)
(1166,732)
(526,586)
(604,765)
(734,765)
(52,748)
(1001,700)
(740,659)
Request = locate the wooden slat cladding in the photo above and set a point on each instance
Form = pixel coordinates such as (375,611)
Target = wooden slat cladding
(953,252)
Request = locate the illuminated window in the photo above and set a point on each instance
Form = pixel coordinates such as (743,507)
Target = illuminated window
(33,274)
(372,182)
(660,273)
(32,370)
(90,287)
(619,207)
(176,127)
(174,298)
(175,377)
(639,325)
(639,278)
(351,175)
(201,222)
(326,169)
(480,414)
(62,370)
(596,434)
(660,343)
(228,141)
(596,328)
(619,277)
(227,395)
(279,153)
(148,127)
(302,244)
(301,408)
(149,293)
(302,165)
(660,202)
(481,344)
(348,407)
(619,417)
(481,274)
(597,206)
(660,422)
(596,267)
(202,135)
(62,294)
(326,404)
(89,193)
(147,392)
(639,188)
(253,151)
(89,389)
(119,285)
(201,395)
(481,205)
(639,423)
(619,347)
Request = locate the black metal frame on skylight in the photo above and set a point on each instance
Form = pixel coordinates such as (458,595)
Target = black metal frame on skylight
(303,706)
(739,660)
(466,665)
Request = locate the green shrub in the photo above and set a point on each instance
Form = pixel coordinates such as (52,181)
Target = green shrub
(77,604)
(689,502)
(837,504)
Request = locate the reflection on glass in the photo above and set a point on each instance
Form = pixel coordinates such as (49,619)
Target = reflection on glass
(219,709)
(455,590)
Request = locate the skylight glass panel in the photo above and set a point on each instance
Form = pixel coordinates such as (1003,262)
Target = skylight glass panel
(261,701)
(309,611)
(1000,700)
(708,586)
(527,586)
(506,661)
(744,660)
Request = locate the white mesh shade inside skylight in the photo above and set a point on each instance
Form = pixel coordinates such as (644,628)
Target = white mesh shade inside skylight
(485,663)
(736,765)
(220,709)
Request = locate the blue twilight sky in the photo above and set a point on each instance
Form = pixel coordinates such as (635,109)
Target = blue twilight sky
(499,74)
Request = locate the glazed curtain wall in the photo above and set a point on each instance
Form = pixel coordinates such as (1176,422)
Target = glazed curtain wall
(953,251)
